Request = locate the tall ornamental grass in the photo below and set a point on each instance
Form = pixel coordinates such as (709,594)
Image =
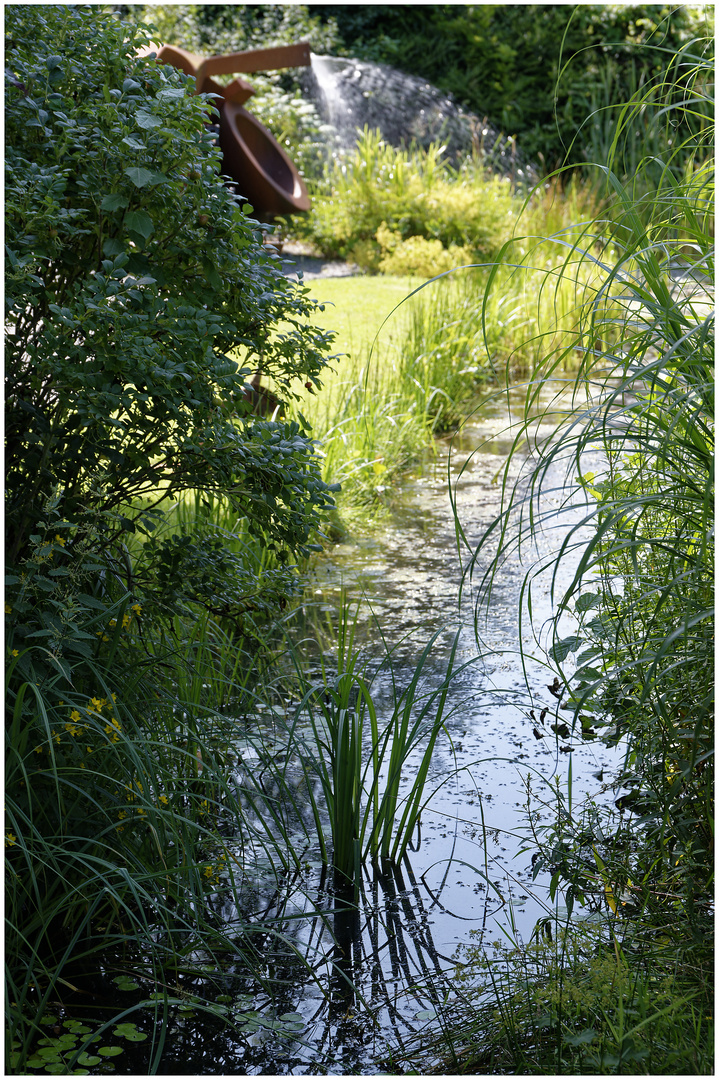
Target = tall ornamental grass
(627,478)
(450,340)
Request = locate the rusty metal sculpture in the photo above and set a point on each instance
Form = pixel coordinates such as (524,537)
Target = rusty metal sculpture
(251,156)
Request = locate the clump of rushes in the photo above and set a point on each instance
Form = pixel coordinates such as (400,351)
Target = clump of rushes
(360,753)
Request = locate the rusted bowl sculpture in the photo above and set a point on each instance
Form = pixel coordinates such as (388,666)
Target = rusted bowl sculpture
(251,156)
(255,160)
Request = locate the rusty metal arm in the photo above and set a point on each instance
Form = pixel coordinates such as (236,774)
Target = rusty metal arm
(280,56)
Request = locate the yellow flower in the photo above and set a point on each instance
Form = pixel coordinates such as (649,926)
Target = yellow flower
(55,737)
(113,623)
(126,619)
(38,750)
(97,703)
(122,814)
(15,653)
(59,540)
(137,609)
(208,872)
(164,800)
(75,716)
(10,839)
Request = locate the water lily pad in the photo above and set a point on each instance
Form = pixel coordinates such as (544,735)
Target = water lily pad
(123,982)
(110,1051)
(48,1053)
(56,1067)
(124,1031)
(76,1026)
(89,1059)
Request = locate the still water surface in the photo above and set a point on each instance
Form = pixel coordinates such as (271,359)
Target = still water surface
(470,872)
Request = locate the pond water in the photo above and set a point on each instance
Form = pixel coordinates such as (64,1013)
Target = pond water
(374,976)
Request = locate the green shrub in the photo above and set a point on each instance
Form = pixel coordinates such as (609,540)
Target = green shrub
(417,256)
(412,193)
(133,276)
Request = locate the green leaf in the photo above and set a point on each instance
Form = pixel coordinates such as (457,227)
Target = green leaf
(578,1040)
(139,176)
(139,222)
(112,247)
(88,1059)
(114,201)
(110,1051)
(147,120)
(561,649)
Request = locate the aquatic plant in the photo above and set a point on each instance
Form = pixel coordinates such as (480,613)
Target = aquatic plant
(357,749)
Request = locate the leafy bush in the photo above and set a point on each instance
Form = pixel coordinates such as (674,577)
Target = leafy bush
(138,299)
(416,255)
(411,193)
(133,276)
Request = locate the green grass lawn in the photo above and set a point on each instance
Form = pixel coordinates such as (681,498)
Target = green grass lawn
(357,307)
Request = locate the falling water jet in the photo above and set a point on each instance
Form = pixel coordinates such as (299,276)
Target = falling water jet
(350,94)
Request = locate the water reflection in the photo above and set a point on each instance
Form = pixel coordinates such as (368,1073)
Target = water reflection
(362,976)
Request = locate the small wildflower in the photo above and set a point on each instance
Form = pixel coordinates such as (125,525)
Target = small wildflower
(8,609)
(113,623)
(75,716)
(56,737)
(126,619)
(14,653)
(97,703)
(122,814)
(37,750)
(208,872)
(137,609)
(59,540)
(164,800)
(10,839)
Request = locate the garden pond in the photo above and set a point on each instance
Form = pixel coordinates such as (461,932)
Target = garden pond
(352,990)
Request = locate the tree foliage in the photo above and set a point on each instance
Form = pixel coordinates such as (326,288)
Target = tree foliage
(531,69)
(138,298)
